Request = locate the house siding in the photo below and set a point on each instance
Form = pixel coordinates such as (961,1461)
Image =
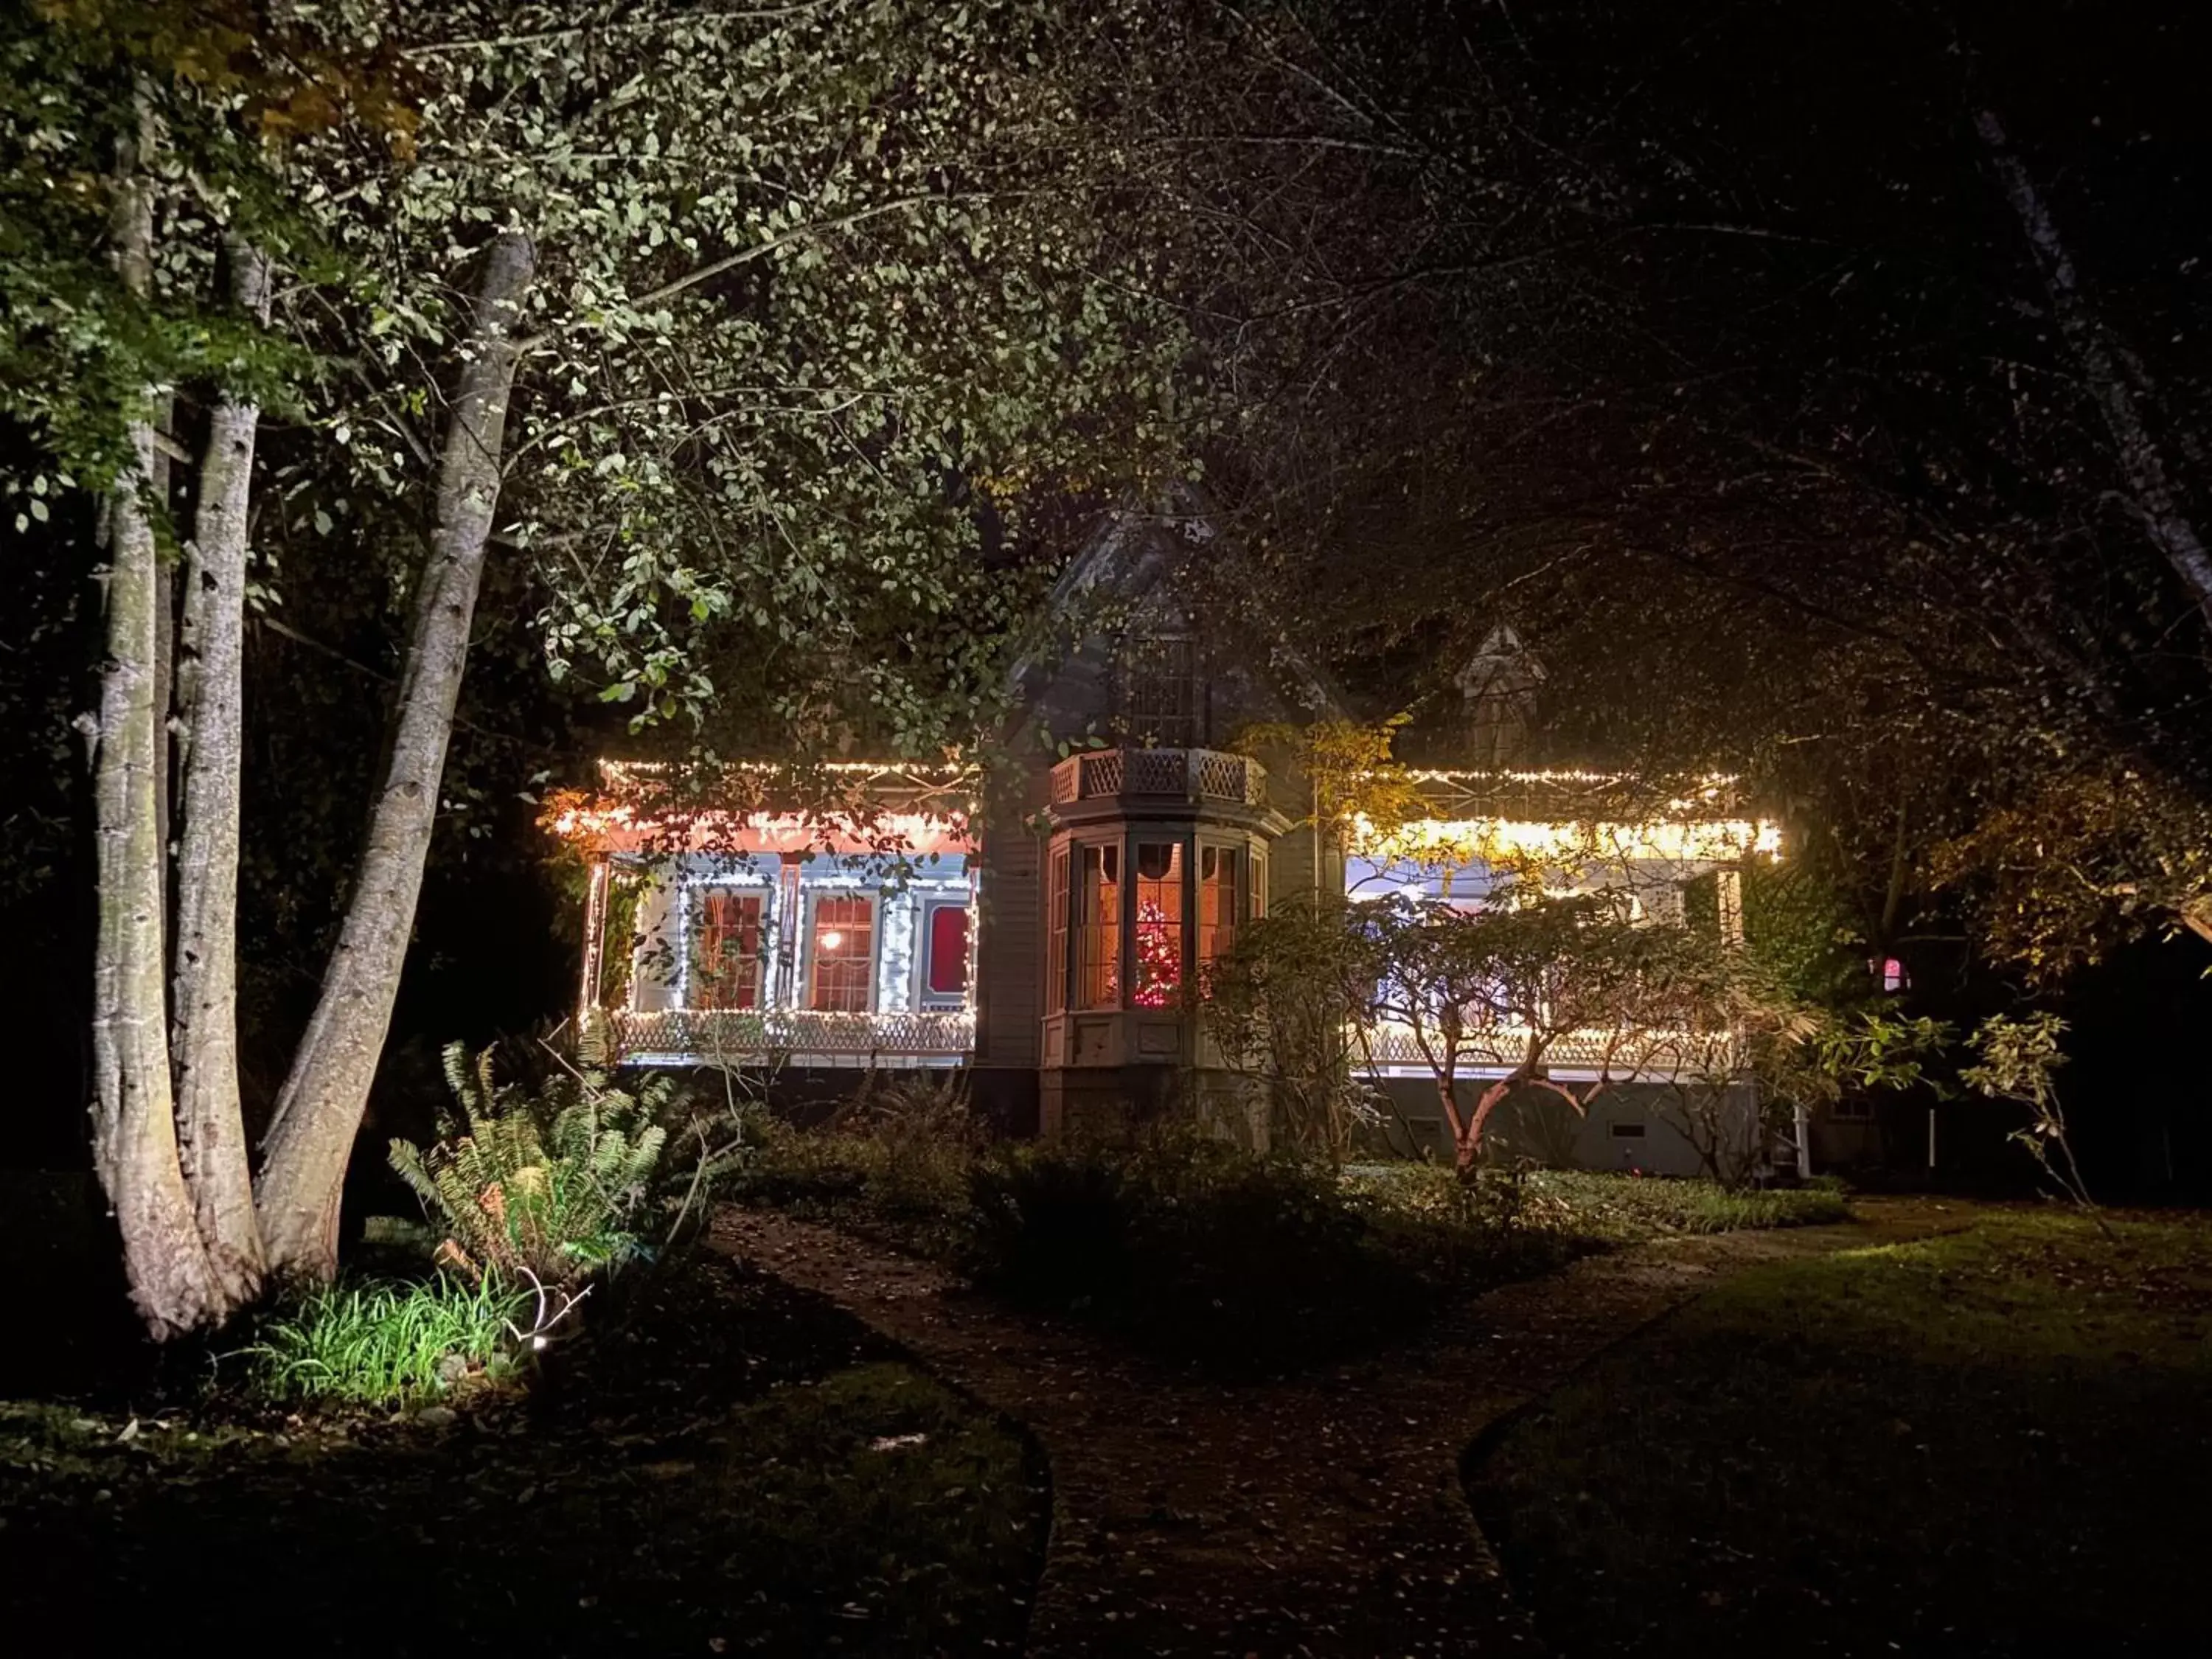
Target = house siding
(1009,951)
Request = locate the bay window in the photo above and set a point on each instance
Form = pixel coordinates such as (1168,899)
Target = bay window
(1218,909)
(1158,966)
(1098,927)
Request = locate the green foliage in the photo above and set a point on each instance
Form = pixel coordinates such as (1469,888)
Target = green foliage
(1185,1244)
(558,1182)
(1188,1244)
(2018,1059)
(1354,783)
(779,1484)
(194,95)
(1800,931)
(2068,861)
(1583,1206)
(895,1158)
(824,287)
(385,1344)
(1284,1003)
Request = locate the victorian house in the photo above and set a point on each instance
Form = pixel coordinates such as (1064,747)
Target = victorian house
(1049,928)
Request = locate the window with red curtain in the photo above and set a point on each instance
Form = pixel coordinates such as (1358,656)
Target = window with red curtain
(944,973)
(725,971)
(841,956)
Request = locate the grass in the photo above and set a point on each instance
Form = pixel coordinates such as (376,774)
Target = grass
(1987,1443)
(384,1342)
(730,1467)
(1629,1210)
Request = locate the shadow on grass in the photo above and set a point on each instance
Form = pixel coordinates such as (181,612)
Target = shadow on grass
(729,1467)
(1988,1442)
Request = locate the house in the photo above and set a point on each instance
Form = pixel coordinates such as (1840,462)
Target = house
(1047,927)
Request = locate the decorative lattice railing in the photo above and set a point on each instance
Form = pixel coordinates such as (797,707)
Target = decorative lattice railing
(1161,774)
(711,1034)
(1671,1053)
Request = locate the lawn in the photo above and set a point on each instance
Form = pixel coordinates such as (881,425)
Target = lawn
(1994,1442)
(730,1467)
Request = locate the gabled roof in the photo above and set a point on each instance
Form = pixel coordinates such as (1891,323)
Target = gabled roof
(1134,554)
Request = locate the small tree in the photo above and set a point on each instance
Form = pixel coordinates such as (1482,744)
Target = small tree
(1509,984)
(1289,1005)
(2019,1062)
(1738,1025)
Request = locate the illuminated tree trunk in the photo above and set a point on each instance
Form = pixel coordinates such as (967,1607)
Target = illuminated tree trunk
(320,1109)
(134,1132)
(2105,375)
(210,698)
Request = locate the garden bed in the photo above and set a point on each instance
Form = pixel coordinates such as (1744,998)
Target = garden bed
(726,1467)
(1985,1443)
(1188,1248)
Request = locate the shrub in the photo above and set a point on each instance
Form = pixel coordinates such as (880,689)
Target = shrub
(1617,1210)
(553,1184)
(384,1343)
(894,1159)
(1188,1244)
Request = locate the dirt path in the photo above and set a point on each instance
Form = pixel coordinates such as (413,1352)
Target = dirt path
(1322,1515)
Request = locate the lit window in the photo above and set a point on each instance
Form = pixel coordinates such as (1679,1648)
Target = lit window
(1056,969)
(944,973)
(1216,902)
(1894,976)
(1161,702)
(726,966)
(1158,967)
(841,957)
(1098,929)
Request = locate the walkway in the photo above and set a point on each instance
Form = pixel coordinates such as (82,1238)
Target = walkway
(1322,1515)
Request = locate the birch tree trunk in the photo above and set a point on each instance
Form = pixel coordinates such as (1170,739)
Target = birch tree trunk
(134,1133)
(209,703)
(320,1109)
(2108,377)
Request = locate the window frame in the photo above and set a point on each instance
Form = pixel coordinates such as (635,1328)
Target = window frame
(1163,668)
(690,894)
(1113,922)
(806,987)
(1214,938)
(1060,926)
(926,995)
(1176,877)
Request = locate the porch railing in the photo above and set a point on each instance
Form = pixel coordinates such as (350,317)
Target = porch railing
(794,1035)
(1678,1054)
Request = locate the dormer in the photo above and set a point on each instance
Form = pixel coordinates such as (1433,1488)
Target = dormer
(1498,687)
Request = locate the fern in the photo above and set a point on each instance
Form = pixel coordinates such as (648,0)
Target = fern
(556,1184)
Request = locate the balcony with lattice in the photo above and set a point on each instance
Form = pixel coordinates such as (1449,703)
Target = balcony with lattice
(1198,777)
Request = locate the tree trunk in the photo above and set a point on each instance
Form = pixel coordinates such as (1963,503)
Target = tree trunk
(209,701)
(134,1133)
(320,1109)
(1470,1145)
(2108,379)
